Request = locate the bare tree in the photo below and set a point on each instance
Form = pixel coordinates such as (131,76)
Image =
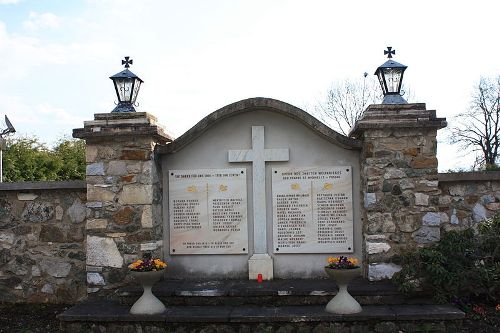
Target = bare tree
(478,129)
(346,100)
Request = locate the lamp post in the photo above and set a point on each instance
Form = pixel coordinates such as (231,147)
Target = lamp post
(10,129)
(390,76)
(127,86)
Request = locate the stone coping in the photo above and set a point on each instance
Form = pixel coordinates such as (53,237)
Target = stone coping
(43,185)
(111,311)
(469,176)
(260,104)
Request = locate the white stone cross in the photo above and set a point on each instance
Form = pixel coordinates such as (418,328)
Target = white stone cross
(258,155)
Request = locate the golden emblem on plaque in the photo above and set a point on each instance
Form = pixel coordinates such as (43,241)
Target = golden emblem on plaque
(222,188)
(328,186)
(192,189)
(295,186)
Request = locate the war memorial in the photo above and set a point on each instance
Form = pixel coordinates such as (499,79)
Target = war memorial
(245,208)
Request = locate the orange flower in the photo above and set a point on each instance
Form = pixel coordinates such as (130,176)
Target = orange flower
(135,264)
(159,264)
(353,261)
(332,260)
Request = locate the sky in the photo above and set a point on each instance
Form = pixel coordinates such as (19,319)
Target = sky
(195,57)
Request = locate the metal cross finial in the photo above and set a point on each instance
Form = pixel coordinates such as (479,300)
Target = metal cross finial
(127,62)
(389,52)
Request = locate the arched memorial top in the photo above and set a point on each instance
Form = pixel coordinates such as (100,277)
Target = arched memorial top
(260,104)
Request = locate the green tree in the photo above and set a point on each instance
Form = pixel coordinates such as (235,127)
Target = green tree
(72,155)
(27,159)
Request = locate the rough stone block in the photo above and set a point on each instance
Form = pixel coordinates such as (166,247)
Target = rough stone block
(421,199)
(427,234)
(102,251)
(444,217)
(95,279)
(117,168)
(7,237)
(494,206)
(370,199)
(151,246)
(47,289)
(380,222)
(97,193)
(134,167)
(55,267)
(35,271)
(479,213)
(381,271)
(147,217)
(393,173)
(136,195)
(95,169)
(59,213)
(135,154)
(457,190)
(38,211)
(431,219)
(454,219)
(487,199)
(51,233)
(126,215)
(406,184)
(424,162)
(107,152)
(96,224)
(77,211)
(444,200)
(374,248)
(90,153)
(26,196)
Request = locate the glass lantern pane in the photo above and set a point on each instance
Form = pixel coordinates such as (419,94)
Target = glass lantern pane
(393,79)
(124,89)
(380,76)
(137,85)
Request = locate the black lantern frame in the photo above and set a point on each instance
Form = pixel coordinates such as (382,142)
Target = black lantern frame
(127,86)
(390,76)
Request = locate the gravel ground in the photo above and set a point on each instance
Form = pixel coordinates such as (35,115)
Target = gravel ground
(30,318)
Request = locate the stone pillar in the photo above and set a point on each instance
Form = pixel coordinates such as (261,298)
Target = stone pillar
(398,182)
(124,215)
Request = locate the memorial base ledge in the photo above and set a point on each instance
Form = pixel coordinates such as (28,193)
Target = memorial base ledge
(260,263)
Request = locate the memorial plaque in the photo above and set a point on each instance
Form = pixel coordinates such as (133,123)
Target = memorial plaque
(312,210)
(208,211)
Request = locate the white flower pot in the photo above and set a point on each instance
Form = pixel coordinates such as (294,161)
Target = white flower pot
(343,302)
(147,304)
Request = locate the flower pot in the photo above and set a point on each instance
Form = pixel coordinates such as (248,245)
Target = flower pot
(147,304)
(343,302)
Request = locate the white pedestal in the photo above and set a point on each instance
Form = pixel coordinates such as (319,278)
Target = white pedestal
(260,264)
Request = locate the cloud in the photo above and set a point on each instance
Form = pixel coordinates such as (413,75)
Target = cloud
(9,2)
(43,120)
(38,21)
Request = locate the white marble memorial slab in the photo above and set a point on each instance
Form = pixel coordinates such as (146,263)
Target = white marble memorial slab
(312,210)
(208,211)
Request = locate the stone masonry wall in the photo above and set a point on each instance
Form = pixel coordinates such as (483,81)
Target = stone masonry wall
(42,257)
(123,196)
(467,198)
(399,183)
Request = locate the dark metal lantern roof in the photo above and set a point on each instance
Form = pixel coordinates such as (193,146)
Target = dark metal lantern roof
(126,73)
(391,64)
